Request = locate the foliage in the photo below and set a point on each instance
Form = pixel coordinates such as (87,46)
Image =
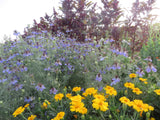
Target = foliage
(35,68)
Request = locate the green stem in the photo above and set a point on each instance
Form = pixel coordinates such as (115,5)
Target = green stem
(101,115)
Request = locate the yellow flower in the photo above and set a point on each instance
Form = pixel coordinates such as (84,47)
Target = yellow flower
(77,107)
(143,80)
(45,104)
(129,85)
(137,91)
(157,91)
(59,116)
(139,106)
(69,95)
(58,96)
(32,117)
(76,99)
(152,118)
(18,111)
(110,90)
(132,75)
(100,104)
(26,105)
(90,91)
(101,97)
(83,110)
(150,108)
(76,89)
(125,101)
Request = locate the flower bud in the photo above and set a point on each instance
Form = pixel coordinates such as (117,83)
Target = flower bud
(110,116)
(148,114)
(82,117)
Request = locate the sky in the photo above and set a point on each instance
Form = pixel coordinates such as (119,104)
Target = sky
(18,14)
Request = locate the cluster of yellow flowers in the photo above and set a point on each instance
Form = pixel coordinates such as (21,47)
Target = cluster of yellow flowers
(59,116)
(90,91)
(20,110)
(110,90)
(77,105)
(143,80)
(138,105)
(76,89)
(134,89)
(99,103)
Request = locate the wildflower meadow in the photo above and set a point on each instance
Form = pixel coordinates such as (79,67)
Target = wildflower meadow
(46,76)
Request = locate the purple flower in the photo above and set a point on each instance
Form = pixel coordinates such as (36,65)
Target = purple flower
(53,91)
(100,88)
(29,99)
(40,87)
(3,80)
(18,87)
(57,63)
(13,82)
(99,77)
(23,68)
(153,69)
(1,60)
(115,81)
(148,59)
(150,68)
(140,72)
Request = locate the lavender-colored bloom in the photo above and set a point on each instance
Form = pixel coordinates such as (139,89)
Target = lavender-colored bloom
(100,88)
(99,77)
(115,81)
(18,63)
(18,87)
(23,68)
(140,72)
(53,91)
(40,87)
(3,80)
(13,82)
(153,68)
(148,59)
(27,53)
(1,60)
(57,63)
(148,69)
(82,89)
(47,69)
(16,33)
(27,99)
(98,45)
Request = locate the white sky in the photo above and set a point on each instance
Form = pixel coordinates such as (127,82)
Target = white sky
(17,14)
